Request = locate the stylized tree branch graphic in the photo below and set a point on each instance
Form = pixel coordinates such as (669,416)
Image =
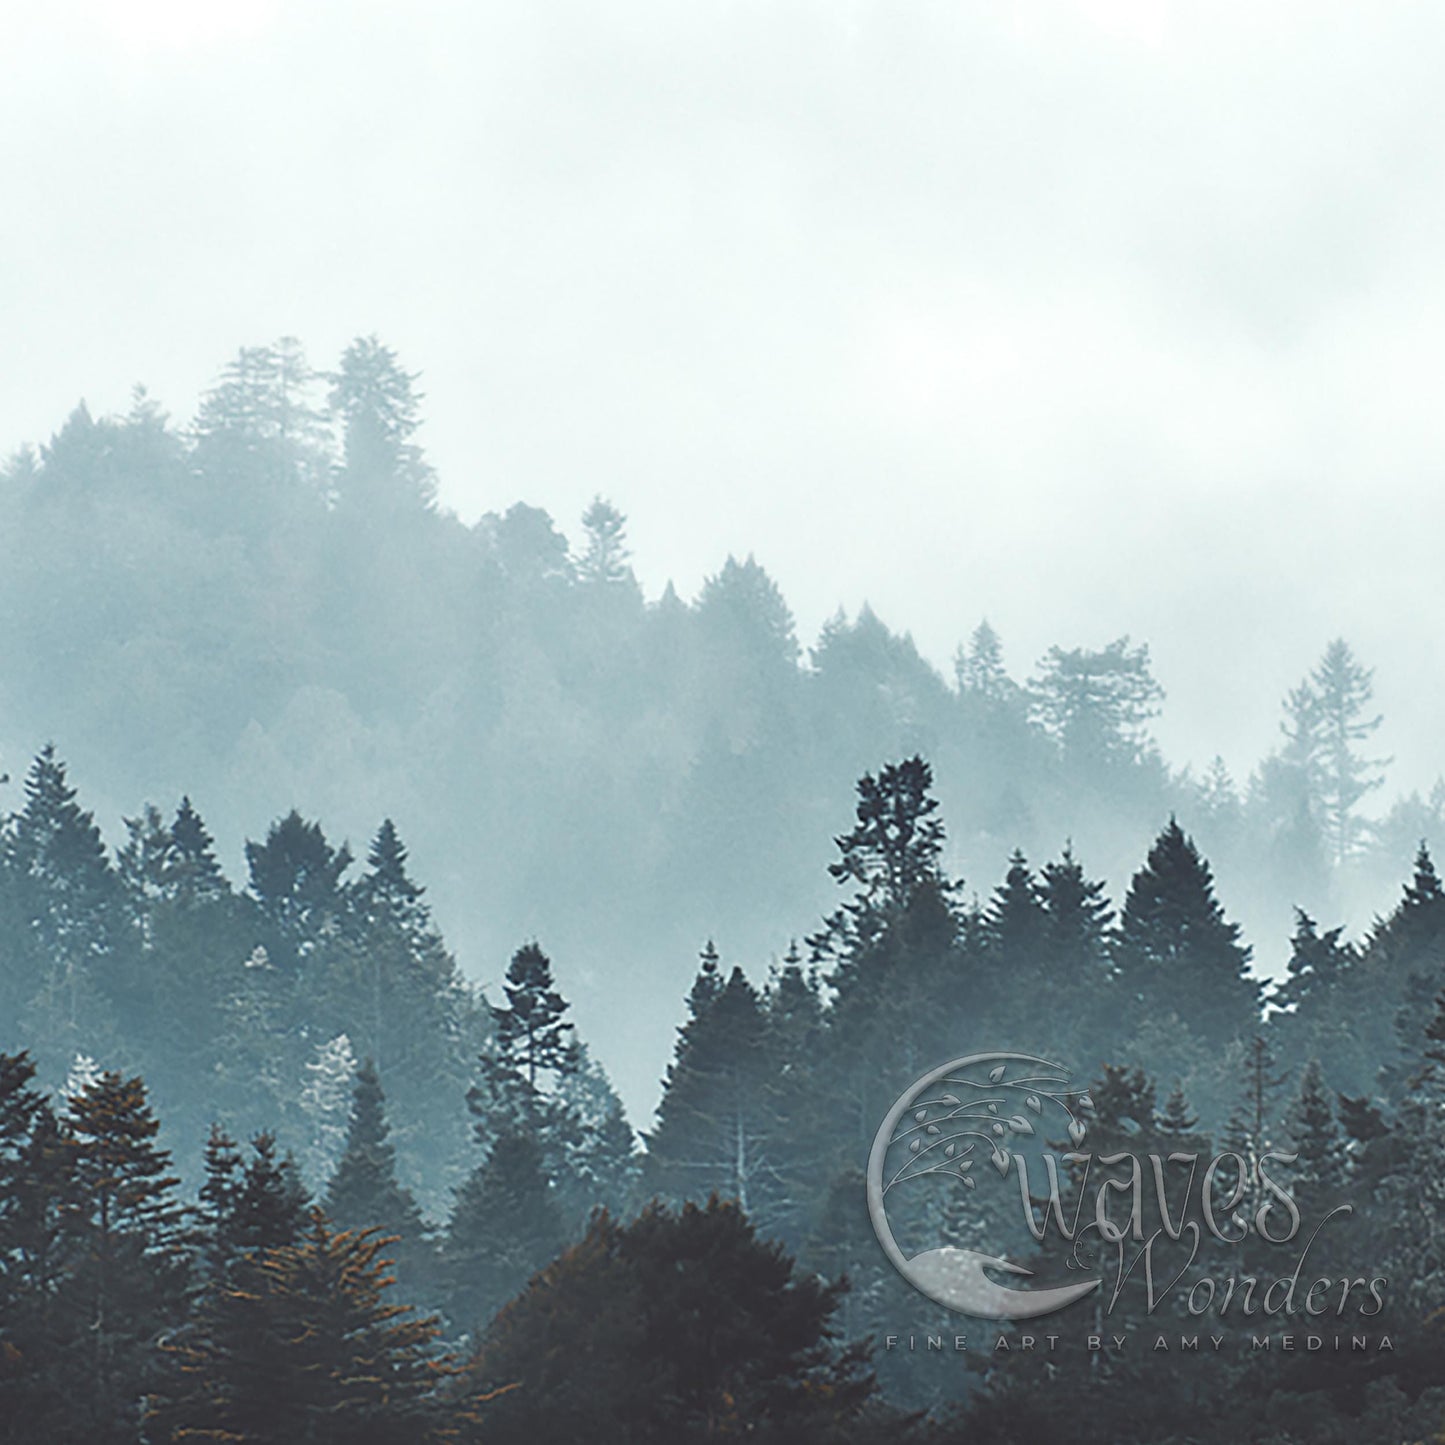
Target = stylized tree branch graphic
(943,1131)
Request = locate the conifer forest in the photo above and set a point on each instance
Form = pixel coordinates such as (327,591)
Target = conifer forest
(275,1167)
(722,723)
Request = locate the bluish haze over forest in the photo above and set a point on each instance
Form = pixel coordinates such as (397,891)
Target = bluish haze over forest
(1093,317)
(265,609)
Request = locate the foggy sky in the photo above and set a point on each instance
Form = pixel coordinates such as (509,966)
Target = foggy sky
(1091,317)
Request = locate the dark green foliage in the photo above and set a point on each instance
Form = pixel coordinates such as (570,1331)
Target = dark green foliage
(1314,1133)
(504,1227)
(715,1124)
(533,1038)
(364,1192)
(125,1253)
(679,1327)
(67,921)
(296,881)
(247,1204)
(1177,951)
(310,1349)
(891,855)
(1076,948)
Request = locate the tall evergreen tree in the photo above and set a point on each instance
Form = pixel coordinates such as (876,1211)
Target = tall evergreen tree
(312,1350)
(127,1253)
(365,1193)
(980,669)
(67,899)
(714,1127)
(380,413)
(39,1349)
(1321,1168)
(604,560)
(505,1226)
(1326,722)
(1177,951)
(1078,936)
(596,1349)
(892,854)
(296,881)
(1095,704)
(534,1040)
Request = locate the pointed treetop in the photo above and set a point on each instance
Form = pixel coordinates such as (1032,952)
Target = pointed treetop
(387,895)
(296,874)
(1424,889)
(1015,917)
(894,851)
(980,669)
(604,561)
(708,984)
(1177,1117)
(533,1036)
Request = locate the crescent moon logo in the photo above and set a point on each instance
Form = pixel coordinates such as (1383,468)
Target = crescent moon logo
(944,1123)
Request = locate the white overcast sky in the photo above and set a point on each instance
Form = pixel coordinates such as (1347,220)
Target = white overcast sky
(1094,317)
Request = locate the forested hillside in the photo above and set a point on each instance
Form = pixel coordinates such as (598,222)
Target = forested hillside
(264,608)
(305,1056)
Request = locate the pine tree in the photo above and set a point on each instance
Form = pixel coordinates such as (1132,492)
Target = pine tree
(67,897)
(310,1350)
(604,562)
(504,1227)
(709,982)
(795,1095)
(394,987)
(533,1038)
(1177,952)
(247,1205)
(589,1148)
(980,670)
(1015,930)
(713,1131)
(1078,936)
(271,1205)
(379,409)
(386,896)
(1015,921)
(39,1348)
(296,882)
(1254,1124)
(220,1182)
(126,1247)
(1399,973)
(596,1350)
(1177,1120)
(1318,967)
(259,431)
(1320,1170)
(364,1192)
(892,853)
(1095,704)
(1326,721)
(1417,924)
(194,872)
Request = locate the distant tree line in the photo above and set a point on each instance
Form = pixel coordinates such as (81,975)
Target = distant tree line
(336,1084)
(266,604)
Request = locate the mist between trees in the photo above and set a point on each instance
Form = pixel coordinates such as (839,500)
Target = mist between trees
(264,620)
(337,1097)
(265,608)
